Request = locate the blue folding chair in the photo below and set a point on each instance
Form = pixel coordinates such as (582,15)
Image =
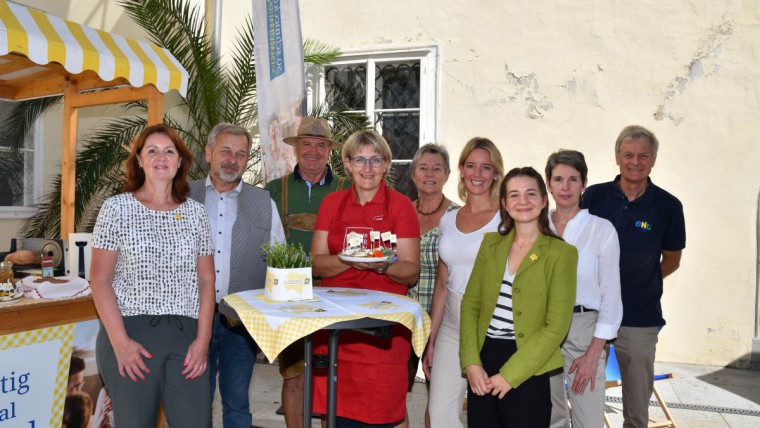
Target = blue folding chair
(613,380)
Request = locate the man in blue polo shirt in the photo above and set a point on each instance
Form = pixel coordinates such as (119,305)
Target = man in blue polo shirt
(650,226)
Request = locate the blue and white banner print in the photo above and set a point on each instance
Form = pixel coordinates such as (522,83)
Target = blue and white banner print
(280,81)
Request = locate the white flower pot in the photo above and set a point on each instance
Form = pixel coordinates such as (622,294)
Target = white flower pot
(288,284)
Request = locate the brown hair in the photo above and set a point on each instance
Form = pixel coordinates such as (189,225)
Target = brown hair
(77,410)
(507,223)
(572,158)
(76,365)
(135,174)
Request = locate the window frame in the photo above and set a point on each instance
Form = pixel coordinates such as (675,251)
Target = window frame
(28,209)
(430,71)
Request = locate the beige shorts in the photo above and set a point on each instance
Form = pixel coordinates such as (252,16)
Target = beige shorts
(291,360)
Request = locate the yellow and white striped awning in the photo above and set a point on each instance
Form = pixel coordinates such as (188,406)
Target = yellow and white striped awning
(38,52)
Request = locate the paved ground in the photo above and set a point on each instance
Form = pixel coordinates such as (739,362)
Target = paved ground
(698,396)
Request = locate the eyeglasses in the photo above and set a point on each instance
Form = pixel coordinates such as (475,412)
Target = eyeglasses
(374,162)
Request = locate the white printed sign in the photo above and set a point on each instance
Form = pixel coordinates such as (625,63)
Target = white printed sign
(33,376)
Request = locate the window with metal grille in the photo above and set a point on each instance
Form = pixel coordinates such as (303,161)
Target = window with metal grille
(397,91)
(20,172)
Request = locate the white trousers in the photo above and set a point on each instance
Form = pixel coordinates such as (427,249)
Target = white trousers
(447,384)
(588,408)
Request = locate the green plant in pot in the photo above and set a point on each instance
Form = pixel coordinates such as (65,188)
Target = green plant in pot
(288,272)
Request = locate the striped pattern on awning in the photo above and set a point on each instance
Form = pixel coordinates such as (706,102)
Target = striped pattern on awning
(45,38)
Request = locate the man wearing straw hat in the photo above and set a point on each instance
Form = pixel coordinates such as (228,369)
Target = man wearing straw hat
(298,196)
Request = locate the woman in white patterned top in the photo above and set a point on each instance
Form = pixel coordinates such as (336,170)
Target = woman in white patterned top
(152,281)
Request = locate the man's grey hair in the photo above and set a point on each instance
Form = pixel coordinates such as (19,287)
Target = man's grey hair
(228,128)
(636,132)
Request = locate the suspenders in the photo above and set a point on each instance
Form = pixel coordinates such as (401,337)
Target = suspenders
(284,203)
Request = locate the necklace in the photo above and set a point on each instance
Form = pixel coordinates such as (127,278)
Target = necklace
(417,206)
(527,244)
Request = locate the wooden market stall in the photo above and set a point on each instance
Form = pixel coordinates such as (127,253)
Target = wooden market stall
(44,55)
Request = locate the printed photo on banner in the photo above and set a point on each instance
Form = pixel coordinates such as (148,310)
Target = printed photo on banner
(281,88)
(87,403)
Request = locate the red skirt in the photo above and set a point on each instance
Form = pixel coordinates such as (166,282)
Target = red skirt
(372,376)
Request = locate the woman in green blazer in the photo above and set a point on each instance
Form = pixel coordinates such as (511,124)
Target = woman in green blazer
(516,310)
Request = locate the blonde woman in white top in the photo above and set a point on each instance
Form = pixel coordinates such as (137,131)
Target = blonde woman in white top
(481,170)
(598,308)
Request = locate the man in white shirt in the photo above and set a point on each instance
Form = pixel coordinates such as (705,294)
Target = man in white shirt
(242,217)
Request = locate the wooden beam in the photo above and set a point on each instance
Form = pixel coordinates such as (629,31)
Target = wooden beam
(90,80)
(42,88)
(19,64)
(6,92)
(155,106)
(68,162)
(109,96)
(50,74)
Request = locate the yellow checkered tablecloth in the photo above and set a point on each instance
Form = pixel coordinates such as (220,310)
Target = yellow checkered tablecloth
(275,325)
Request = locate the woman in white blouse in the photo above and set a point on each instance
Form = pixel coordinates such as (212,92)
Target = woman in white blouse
(598,308)
(152,281)
(481,170)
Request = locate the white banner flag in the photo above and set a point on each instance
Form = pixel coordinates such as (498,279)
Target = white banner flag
(280,81)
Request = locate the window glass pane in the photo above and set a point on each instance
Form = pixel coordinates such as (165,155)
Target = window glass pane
(345,85)
(12,179)
(5,111)
(16,169)
(401,131)
(402,180)
(397,85)
(5,107)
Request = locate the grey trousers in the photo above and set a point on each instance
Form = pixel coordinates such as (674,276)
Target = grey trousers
(187,403)
(635,348)
(588,408)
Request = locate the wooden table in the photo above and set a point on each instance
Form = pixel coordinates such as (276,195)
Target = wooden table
(30,314)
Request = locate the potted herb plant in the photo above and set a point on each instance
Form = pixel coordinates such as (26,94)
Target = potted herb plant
(288,272)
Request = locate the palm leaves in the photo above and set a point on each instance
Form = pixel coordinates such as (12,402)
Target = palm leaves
(216,93)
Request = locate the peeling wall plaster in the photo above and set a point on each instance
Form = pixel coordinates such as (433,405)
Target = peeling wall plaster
(526,91)
(705,62)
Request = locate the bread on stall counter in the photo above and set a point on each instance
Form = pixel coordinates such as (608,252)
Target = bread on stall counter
(24,257)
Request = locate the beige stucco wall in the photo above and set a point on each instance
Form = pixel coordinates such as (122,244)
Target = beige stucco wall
(537,75)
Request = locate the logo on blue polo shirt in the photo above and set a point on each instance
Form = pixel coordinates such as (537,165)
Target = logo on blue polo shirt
(643,226)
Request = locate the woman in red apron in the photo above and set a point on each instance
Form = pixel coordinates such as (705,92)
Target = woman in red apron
(373,372)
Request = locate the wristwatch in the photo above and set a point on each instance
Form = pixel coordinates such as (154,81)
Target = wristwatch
(382,269)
